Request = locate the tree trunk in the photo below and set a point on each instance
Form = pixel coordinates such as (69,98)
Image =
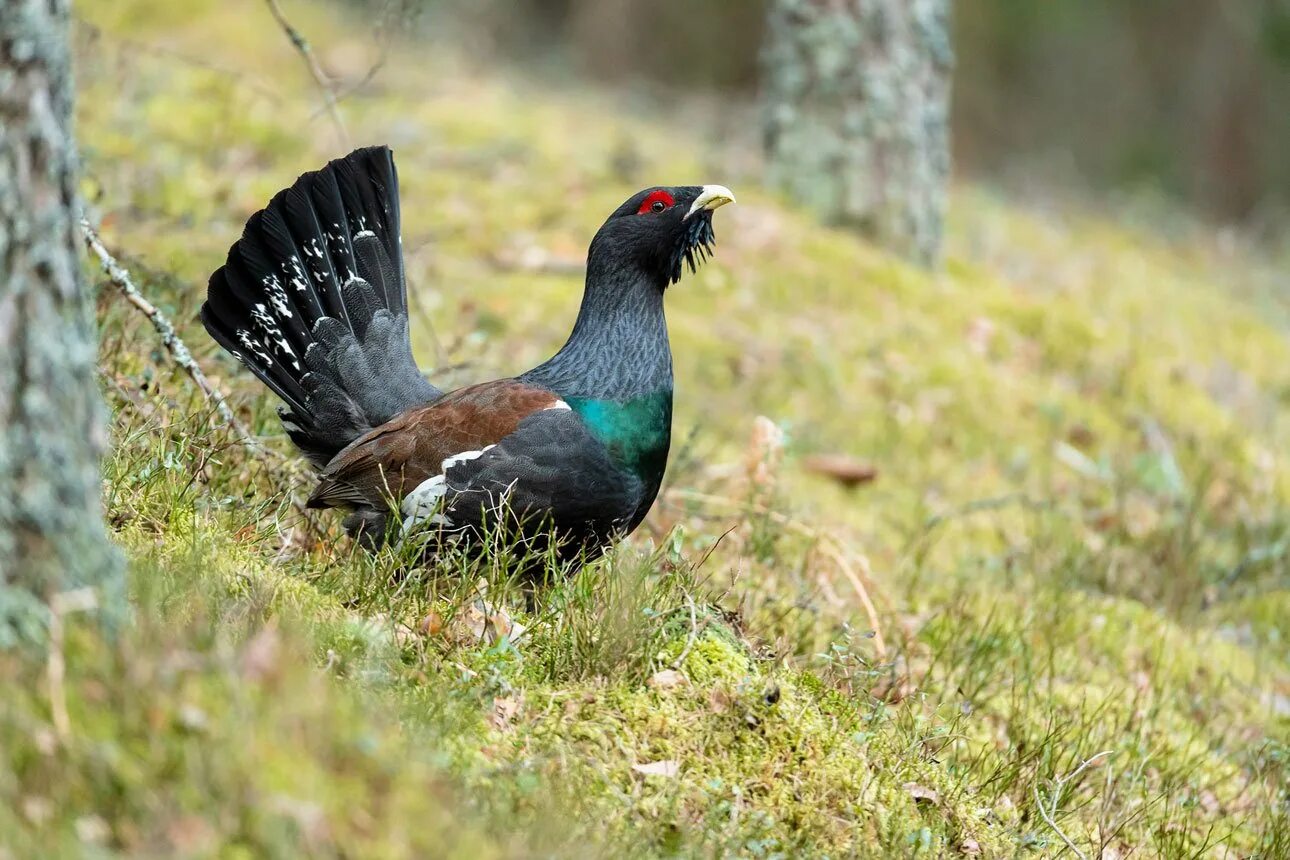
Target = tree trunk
(51,424)
(856,100)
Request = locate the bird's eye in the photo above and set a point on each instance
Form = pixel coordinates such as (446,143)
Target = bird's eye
(657,201)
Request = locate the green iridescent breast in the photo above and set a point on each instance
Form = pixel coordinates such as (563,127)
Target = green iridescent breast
(637,432)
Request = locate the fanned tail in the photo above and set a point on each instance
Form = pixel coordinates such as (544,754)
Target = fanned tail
(313,300)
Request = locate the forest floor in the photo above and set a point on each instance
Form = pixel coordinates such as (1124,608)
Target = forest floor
(1076,543)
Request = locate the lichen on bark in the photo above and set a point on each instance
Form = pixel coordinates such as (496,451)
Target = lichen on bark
(856,114)
(51,423)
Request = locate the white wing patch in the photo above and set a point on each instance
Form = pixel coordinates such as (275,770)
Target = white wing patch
(464,456)
(423,505)
(558,406)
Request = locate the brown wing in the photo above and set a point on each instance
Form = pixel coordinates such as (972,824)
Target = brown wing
(391,460)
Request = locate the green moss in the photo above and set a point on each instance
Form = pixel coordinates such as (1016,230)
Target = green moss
(1075,540)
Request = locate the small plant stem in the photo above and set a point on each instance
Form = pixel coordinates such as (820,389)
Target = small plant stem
(178,350)
(828,545)
(1050,816)
(689,640)
(306,52)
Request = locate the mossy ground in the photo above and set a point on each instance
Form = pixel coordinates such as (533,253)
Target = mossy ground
(1078,540)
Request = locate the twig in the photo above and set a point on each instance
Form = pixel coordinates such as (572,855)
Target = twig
(384,35)
(829,545)
(830,593)
(362,82)
(311,62)
(833,551)
(1050,817)
(178,350)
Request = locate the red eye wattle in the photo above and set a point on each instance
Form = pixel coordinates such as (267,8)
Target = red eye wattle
(657,201)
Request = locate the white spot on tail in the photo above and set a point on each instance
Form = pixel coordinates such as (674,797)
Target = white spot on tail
(273,335)
(244,337)
(277,296)
(295,274)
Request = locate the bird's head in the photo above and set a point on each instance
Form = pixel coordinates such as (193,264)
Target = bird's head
(659,229)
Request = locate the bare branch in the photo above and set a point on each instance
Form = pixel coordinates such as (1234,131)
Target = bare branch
(383,35)
(311,62)
(178,350)
(174,345)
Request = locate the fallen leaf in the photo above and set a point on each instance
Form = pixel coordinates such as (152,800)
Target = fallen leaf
(504,710)
(921,793)
(847,471)
(668,768)
(467,626)
(474,622)
(665,679)
(432,624)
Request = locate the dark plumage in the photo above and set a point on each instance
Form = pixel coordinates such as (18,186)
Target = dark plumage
(312,299)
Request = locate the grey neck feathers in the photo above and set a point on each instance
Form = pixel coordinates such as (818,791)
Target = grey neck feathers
(618,349)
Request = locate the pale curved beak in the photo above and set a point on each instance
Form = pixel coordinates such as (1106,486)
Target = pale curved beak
(712,197)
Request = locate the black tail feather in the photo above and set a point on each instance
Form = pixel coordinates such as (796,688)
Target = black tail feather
(312,299)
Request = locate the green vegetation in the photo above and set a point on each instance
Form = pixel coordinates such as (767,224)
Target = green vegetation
(1077,542)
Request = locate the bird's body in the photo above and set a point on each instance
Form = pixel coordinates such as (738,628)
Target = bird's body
(313,300)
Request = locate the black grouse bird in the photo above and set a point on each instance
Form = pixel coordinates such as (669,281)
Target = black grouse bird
(312,299)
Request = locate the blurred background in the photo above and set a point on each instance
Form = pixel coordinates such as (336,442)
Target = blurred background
(1188,100)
